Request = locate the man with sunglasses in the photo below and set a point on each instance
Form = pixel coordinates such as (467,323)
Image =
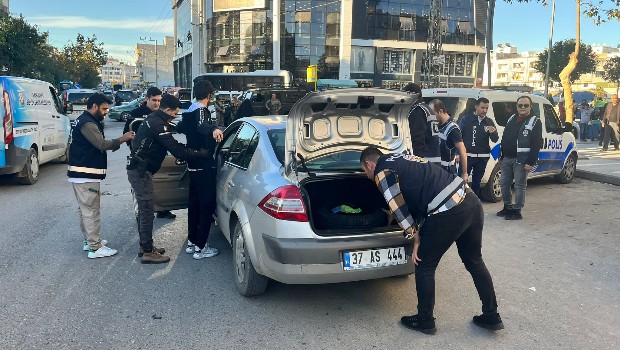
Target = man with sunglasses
(521,142)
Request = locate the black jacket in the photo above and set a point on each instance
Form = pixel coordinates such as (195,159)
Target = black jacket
(86,160)
(513,132)
(141,112)
(154,139)
(424,131)
(475,138)
(195,125)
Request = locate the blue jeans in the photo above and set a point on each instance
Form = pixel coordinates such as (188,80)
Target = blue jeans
(583,131)
(512,170)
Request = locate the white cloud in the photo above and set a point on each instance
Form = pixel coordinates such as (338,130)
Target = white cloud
(163,26)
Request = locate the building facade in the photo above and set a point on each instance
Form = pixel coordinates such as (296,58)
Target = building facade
(4,8)
(117,72)
(154,62)
(374,42)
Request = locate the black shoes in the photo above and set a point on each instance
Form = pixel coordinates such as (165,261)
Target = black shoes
(426,326)
(504,212)
(491,322)
(514,215)
(166,214)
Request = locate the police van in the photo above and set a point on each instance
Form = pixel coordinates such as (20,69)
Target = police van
(558,154)
(34,129)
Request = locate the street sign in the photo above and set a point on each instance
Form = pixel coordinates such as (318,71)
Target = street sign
(311,74)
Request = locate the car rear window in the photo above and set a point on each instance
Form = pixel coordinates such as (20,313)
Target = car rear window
(342,161)
(79,98)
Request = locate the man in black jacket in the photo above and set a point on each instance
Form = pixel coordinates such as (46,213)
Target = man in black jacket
(521,142)
(153,140)
(201,135)
(424,128)
(477,130)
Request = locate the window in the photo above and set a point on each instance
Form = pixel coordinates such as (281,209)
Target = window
(277,137)
(243,147)
(504,110)
(552,122)
(56,102)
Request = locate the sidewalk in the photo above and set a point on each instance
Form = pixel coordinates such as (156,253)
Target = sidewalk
(596,165)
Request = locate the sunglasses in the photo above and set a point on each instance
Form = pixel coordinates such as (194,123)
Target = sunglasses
(523,106)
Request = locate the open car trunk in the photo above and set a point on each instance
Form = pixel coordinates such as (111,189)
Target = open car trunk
(345,205)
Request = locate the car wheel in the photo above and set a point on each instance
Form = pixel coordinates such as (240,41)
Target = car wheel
(248,281)
(492,191)
(30,173)
(125,116)
(568,171)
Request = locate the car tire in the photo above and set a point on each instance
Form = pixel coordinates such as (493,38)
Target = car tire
(492,191)
(124,116)
(248,281)
(568,170)
(327,219)
(30,174)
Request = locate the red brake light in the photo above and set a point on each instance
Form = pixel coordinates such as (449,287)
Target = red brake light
(285,203)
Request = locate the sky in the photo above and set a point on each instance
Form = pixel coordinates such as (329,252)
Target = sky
(120,24)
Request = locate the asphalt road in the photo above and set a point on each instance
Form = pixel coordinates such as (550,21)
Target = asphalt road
(556,273)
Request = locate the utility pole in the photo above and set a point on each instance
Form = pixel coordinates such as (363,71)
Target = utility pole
(549,50)
(434,52)
(156,59)
(489,37)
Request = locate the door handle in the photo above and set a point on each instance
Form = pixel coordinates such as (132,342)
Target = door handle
(231,183)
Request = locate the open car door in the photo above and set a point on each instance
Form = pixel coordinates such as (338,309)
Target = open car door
(171,185)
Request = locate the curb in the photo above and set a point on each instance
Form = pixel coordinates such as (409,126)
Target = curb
(589,175)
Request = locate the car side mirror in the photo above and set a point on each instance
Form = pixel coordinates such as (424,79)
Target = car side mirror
(69,108)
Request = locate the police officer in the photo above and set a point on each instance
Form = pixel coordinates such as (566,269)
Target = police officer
(477,130)
(200,135)
(521,143)
(153,140)
(435,209)
(451,141)
(424,128)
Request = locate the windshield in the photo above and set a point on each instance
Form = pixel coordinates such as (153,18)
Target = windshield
(79,98)
(345,160)
(125,95)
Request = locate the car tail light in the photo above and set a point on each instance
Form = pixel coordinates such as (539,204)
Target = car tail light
(285,203)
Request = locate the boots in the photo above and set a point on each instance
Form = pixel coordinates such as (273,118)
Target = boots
(153,257)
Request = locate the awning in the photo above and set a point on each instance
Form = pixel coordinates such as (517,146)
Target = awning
(336,83)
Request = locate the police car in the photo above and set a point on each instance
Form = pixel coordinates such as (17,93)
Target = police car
(558,155)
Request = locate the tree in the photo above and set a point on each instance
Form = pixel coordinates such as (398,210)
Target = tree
(612,70)
(559,59)
(610,9)
(23,49)
(83,60)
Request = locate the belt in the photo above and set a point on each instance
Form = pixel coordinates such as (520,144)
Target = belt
(456,199)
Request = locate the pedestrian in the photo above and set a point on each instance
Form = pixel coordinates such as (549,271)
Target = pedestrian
(612,117)
(451,141)
(220,109)
(435,209)
(585,116)
(521,142)
(201,135)
(424,127)
(153,140)
(88,165)
(562,111)
(234,107)
(245,109)
(477,131)
(273,105)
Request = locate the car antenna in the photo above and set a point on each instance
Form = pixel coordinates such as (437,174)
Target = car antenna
(303,164)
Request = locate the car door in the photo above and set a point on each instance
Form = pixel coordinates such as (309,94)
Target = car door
(61,126)
(171,183)
(553,151)
(232,161)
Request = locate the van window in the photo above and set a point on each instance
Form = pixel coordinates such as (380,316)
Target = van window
(552,122)
(504,110)
(457,107)
(79,98)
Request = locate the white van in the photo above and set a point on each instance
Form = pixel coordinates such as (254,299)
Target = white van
(35,130)
(558,155)
(74,101)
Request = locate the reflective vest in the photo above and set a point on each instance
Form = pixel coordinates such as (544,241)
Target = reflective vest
(523,138)
(431,144)
(85,160)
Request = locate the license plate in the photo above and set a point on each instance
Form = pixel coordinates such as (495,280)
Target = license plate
(372,258)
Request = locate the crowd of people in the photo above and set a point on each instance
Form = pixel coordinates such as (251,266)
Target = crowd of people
(598,121)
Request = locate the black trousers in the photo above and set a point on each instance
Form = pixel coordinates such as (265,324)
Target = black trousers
(201,206)
(462,224)
(143,192)
(611,134)
(478,165)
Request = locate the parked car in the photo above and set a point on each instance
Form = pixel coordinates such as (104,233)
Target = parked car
(34,131)
(124,97)
(123,112)
(558,155)
(74,101)
(280,181)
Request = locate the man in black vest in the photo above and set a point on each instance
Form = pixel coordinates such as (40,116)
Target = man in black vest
(424,128)
(88,165)
(201,135)
(477,130)
(521,142)
(435,209)
(153,140)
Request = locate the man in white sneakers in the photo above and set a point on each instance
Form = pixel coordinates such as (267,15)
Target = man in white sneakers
(87,168)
